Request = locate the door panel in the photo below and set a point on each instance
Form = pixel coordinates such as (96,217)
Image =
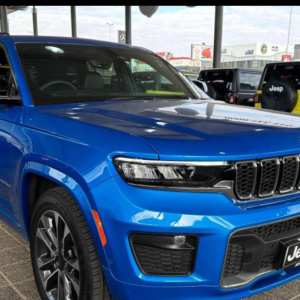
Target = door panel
(8,114)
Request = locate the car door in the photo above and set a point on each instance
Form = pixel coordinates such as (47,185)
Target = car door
(8,113)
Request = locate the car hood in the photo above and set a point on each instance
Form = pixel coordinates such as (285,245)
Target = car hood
(189,129)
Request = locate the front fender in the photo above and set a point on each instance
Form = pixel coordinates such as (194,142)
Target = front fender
(86,205)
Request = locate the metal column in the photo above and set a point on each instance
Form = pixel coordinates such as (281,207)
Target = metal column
(73,21)
(34,21)
(218,36)
(128,24)
(3,19)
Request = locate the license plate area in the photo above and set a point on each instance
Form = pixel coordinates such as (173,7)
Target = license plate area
(291,254)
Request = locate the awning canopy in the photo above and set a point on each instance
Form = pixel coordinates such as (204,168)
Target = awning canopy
(13,8)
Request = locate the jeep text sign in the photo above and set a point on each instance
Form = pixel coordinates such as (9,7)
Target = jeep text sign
(276,89)
(292,254)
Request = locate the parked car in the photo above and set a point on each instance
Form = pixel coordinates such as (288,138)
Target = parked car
(129,193)
(279,87)
(232,85)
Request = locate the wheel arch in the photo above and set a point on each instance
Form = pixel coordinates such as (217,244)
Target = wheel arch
(57,178)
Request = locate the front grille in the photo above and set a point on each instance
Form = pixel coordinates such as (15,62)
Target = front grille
(275,229)
(264,178)
(155,261)
(234,260)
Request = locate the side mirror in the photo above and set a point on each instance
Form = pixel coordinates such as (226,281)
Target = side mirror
(201,84)
(11,100)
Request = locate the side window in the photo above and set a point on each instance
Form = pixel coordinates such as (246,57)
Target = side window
(5,75)
(249,81)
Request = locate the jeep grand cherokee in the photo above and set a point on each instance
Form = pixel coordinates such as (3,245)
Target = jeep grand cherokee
(130,188)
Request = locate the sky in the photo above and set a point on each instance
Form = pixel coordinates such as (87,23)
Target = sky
(171,29)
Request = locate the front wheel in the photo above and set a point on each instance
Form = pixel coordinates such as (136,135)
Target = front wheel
(64,258)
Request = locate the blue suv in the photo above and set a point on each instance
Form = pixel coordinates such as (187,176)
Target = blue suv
(132,186)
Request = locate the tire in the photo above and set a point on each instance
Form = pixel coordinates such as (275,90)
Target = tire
(74,262)
(279,95)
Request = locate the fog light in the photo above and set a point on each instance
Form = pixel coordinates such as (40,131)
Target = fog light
(179,240)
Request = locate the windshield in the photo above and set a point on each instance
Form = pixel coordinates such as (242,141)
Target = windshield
(65,73)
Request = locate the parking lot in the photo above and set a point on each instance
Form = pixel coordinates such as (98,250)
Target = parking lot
(16,278)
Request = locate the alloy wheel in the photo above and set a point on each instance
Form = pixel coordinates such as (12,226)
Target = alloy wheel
(57,258)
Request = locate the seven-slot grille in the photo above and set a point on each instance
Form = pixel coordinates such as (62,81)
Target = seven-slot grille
(264,178)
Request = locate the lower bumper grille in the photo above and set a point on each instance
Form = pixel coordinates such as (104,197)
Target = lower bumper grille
(155,261)
(278,228)
(255,251)
(267,262)
(234,260)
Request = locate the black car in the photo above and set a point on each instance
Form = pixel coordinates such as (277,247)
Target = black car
(234,86)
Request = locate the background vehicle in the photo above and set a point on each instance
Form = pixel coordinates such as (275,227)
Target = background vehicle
(279,87)
(234,86)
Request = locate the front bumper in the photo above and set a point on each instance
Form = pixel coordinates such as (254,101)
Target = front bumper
(212,217)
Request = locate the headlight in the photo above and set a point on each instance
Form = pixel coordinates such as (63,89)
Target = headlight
(173,174)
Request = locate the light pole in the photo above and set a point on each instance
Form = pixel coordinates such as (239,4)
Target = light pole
(289,32)
(110,25)
(218,36)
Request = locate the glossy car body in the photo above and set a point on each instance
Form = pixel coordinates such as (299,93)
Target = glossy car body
(74,145)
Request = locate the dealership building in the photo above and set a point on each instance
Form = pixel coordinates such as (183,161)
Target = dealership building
(254,55)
